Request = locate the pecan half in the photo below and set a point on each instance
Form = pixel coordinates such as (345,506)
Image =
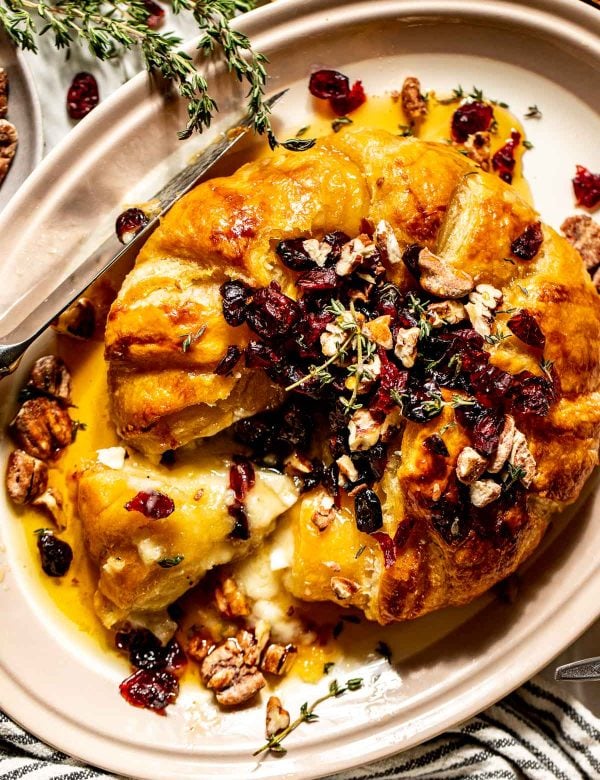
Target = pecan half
(26,477)
(42,427)
(231,669)
(584,234)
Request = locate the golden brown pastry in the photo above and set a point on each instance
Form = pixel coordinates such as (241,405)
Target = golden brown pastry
(473,470)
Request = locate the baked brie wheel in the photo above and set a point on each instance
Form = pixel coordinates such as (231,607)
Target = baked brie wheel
(442,343)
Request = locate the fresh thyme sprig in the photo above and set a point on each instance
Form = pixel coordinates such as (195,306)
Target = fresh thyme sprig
(107,27)
(308,715)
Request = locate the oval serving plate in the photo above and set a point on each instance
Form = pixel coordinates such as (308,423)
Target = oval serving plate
(53,679)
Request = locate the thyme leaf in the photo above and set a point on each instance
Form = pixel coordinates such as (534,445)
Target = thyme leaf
(533,112)
(169,563)
(191,338)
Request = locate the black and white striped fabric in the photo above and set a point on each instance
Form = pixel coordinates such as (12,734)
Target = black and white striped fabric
(537,732)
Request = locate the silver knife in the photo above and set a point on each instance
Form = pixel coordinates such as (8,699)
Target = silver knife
(110,252)
(586,669)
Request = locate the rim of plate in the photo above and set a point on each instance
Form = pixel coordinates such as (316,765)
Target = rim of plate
(574,24)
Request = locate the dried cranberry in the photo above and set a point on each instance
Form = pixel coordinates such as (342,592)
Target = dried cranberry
(388,299)
(174,656)
(463,340)
(258,355)
(235,297)
(152,504)
(367,507)
(241,527)
(297,426)
(271,314)
(410,258)
(421,402)
(331,480)
(82,95)
(325,84)
(153,689)
(129,224)
(474,360)
(314,478)
(527,245)
(292,254)
(156,14)
(56,554)
(490,384)
(586,186)
(336,240)
(486,432)
(450,520)
(345,104)
(308,333)
(531,394)
(468,415)
(503,160)
(259,433)
(469,118)
(525,326)
(241,477)
(228,363)
(144,648)
(388,548)
(436,445)
(372,460)
(319,279)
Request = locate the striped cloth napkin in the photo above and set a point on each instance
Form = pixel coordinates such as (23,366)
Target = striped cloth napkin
(538,732)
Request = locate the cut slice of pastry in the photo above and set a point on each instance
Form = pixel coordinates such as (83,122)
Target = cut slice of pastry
(154,531)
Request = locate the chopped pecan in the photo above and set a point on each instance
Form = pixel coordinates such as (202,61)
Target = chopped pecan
(439,279)
(42,427)
(348,471)
(200,642)
(406,346)
(230,599)
(231,669)
(470,465)
(482,303)
(413,102)
(353,254)
(318,251)
(478,146)
(445,313)
(3,93)
(521,458)
(364,430)
(504,447)
(26,477)
(387,243)
(278,718)
(484,491)
(324,514)
(51,502)
(9,139)
(278,659)
(50,376)
(78,320)
(343,588)
(584,234)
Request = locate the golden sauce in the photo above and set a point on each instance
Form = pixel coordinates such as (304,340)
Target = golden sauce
(73,594)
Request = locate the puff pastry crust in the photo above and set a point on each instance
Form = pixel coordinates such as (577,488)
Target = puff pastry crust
(227,228)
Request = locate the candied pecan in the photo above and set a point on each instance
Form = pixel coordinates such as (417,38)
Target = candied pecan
(584,234)
(278,718)
(3,93)
(413,102)
(26,477)
(278,659)
(9,139)
(200,642)
(42,427)
(50,376)
(231,669)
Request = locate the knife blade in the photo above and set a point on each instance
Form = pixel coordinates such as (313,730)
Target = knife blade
(586,669)
(111,252)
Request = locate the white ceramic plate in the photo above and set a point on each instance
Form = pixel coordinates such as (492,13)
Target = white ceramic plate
(24,112)
(53,680)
